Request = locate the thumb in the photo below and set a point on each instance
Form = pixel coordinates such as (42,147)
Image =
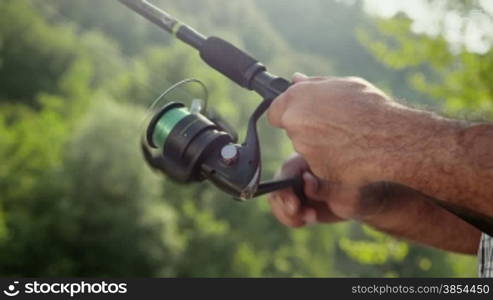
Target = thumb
(298,77)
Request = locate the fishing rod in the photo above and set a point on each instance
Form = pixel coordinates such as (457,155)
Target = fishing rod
(193,144)
(216,52)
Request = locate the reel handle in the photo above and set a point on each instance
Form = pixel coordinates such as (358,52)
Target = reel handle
(296,183)
(299,189)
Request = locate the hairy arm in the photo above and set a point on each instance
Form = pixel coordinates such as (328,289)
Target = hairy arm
(455,165)
(409,214)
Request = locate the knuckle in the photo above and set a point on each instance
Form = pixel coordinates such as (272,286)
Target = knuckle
(296,225)
(290,127)
(286,169)
(276,111)
(298,89)
(274,203)
(375,96)
(356,79)
(291,93)
(356,82)
(303,149)
(296,122)
(292,222)
(291,165)
(275,197)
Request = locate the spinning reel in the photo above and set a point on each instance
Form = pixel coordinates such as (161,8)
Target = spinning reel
(191,145)
(194,144)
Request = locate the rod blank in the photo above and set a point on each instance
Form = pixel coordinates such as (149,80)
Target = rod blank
(166,21)
(152,13)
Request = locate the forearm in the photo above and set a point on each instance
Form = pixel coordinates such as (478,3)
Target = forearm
(451,161)
(407,214)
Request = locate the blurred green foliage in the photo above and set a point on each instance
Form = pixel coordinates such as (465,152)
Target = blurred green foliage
(460,79)
(76,198)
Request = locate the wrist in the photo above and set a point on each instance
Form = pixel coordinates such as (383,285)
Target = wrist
(451,163)
(476,140)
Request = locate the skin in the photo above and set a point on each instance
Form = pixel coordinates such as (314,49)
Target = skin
(367,158)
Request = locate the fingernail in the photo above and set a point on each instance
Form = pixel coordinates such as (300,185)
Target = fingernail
(310,217)
(299,76)
(291,207)
(308,177)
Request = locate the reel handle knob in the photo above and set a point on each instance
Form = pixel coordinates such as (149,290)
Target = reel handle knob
(296,183)
(299,189)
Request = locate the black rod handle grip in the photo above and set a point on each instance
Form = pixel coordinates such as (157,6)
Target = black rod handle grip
(232,62)
(241,68)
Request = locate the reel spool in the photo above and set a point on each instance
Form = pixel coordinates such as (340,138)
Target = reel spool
(183,139)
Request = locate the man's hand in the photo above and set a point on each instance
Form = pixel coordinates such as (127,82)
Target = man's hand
(369,158)
(401,212)
(351,134)
(287,207)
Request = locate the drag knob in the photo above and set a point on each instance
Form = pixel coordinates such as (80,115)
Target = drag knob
(229,154)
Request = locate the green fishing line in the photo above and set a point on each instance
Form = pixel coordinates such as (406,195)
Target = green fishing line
(166,124)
